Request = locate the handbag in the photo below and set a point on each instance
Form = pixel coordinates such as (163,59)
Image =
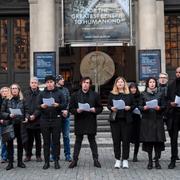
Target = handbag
(8,133)
(112,116)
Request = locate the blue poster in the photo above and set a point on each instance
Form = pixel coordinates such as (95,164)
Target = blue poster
(149,63)
(44,64)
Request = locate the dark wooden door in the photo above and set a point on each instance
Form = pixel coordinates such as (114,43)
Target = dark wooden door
(14,51)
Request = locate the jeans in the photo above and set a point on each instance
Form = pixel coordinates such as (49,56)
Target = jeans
(66,139)
(3,148)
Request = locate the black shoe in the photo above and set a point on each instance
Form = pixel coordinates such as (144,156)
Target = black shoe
(135,158)
(172,165)
(56,165)
(46,166)
(73,164)
(177,158)
(150,165)
(21,165)
(9,166)
(97,164)
(157,165)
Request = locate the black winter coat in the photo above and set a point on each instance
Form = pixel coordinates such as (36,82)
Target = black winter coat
(31,99)
(51,116)
(152,125)
(14,103)
(85,122)
(171,94)
(129,101)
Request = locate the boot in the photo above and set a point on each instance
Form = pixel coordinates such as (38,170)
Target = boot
(73,164)
(56,164)
(157,165)
(150,163)
(21,164)
(172,165)
(97,163)
(46,165)
(135,158)
(9,166)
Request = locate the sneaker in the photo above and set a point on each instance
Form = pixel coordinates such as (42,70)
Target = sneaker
(3,161)
(117,164)
(125,164)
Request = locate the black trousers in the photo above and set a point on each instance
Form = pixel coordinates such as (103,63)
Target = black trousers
(173,133)
(51,133)
(120,131)
(33,134)
(92,142)
(10,145)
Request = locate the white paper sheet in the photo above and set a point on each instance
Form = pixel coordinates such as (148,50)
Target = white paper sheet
(15,111)
(152,104)
(48,101)
(84,106)
(177,101)
(119,104)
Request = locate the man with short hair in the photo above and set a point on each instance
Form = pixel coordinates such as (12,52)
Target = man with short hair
(85,122)
(33,126)
(65,117)
(173,121)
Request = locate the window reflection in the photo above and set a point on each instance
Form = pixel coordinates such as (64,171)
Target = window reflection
(172,38)
(21,44)
(3,45)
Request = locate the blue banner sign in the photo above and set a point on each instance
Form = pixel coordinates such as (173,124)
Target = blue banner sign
(149,63)
(44,64)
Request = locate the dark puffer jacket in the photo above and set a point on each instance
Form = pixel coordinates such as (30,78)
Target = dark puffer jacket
(14,103)
(152,125)
(51,116)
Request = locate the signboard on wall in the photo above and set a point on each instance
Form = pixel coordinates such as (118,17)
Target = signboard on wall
(44,64)
(149,63)
(96,20)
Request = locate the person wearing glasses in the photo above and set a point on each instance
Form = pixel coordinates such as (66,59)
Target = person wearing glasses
(173,119)
(15,102)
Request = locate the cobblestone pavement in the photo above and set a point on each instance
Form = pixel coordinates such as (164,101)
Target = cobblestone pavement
(86,170)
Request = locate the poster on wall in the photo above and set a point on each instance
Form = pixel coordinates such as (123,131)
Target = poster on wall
(44,64)
(96,20)
(149,63)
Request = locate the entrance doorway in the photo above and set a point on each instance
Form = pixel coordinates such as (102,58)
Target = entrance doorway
(71,59)
(14,51)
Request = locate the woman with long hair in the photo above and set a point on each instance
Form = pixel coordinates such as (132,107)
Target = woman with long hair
(9,108)
(120,128)
(152,126)
(133,88)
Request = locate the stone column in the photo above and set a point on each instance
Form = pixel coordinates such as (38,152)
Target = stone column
(161,32)
(46,25)
(33,31)
(147,24)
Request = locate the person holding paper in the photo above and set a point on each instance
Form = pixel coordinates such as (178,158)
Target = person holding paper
(50,119)
(33,126)
(135,133)
(173,117)
(121,128)
(15,101)
(152,133)
(85,122)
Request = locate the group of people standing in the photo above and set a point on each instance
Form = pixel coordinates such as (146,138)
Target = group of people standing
(47,112)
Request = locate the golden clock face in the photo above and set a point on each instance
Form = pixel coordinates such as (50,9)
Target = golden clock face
(98,66)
